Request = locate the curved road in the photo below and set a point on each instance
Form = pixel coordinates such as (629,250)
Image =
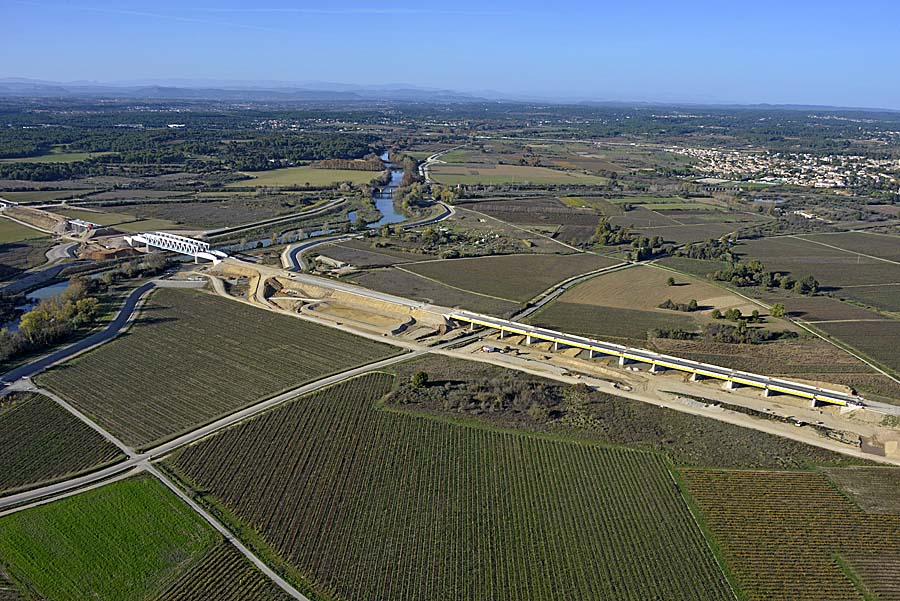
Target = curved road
(292,257)
(108,333)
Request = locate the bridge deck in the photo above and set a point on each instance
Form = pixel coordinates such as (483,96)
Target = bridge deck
(656,359)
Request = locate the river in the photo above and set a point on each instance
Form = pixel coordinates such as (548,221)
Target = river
(32,299)
(384,199)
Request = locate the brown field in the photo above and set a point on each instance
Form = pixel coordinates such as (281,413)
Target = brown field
(137,195)
(836,270)
(806,358)
(877,245)
(684,234)
(513,277)
(697,267)
(16,257)
(644,288)
(875,339)
(225,213)
(874,489)
(507,174)
(40,195)
(823,308)
(412,286)
(361,255)
(627,326)
(535,211)
(782,532)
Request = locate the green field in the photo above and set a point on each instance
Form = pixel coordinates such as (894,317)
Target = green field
(785,535)
(363,503)
(305,176)
(511,277)
(41,442)
(58,157)
(178,367)
(223,575)
(507,174)
(125,541)
(10,231)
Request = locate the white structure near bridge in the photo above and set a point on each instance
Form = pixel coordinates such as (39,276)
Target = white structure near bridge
(179,244)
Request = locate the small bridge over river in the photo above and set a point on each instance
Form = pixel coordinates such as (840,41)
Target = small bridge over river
(179,244)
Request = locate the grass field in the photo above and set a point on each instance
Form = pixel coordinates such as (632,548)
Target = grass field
(58,157)
(512,277)
(223,575)
(305,176)
(126,540)
(451,174)
(782,533)
(363,503)
(179,367)
(874,489)
(41,442)
(10,231)
(602,205)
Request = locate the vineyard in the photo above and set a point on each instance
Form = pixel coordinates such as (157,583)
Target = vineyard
(193,357)
(782,532)
(365,503)
(223,575)
(125,540)
(40,442)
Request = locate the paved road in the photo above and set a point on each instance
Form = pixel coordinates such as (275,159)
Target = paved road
(650,357)
(292,258)
(275,220)
(65,250)
(108,333)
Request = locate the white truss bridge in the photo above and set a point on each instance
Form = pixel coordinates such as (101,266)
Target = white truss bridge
(179,244)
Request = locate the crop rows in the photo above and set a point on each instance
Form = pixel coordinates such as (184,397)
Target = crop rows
(224,575)
(40,441)
(373,504)
(780,533)
(125,540)
(194,357)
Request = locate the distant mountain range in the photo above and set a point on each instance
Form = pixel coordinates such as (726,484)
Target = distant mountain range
(225,90)
(321,91)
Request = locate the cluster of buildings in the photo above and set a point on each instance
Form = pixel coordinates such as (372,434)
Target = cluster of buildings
(800,169)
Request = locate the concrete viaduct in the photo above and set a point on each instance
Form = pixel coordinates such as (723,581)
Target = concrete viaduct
(657,361)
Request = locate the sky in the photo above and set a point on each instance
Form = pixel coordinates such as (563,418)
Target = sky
(784,52)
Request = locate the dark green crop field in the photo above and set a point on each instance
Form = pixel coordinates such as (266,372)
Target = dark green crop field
(363,503)
(126,540)
(41,442)
(192,357)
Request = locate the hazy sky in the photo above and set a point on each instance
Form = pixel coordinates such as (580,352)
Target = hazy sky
(789,51)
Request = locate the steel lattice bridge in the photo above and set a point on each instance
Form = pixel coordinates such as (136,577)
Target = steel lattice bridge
(657,361)
(179,244)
